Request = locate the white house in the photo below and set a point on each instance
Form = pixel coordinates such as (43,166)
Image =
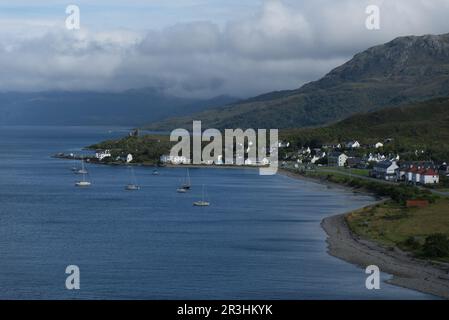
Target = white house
(352,145)
(101,154)
(319,155)
(429,176)
(315,159)
(249,162)
(219,160)
(421,176)
(376,157)
(378,145)
(265,162)
(284,144)
(337,159)
(176,160)
(385,170)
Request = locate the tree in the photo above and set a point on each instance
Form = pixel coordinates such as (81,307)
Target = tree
(436,246)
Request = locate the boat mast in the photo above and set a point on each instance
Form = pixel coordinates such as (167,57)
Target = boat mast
(83,171)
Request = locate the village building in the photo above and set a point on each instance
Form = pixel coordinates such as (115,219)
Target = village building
(378,145)
(375,157)
(352,145)
(284,144)
(102,154)
(337,159)
(416,175)
(429,176)
(354,162)
(385,170)
(318,156)
(176,160)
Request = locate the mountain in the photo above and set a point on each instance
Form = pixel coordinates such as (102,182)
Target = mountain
(404,70)
(416,126)
(131,107)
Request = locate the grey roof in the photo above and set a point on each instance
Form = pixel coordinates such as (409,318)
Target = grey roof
(425,164)
(383,164)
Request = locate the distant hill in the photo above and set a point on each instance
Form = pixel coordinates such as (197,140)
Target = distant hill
(131,107)
(422,125)
(407,69)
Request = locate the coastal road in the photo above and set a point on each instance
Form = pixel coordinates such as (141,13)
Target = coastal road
(349,174)
(353,175)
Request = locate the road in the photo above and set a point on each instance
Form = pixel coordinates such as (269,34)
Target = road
(352,175)
(349,174)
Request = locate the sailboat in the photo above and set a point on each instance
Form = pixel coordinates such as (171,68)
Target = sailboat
(186,185)
(74,168)
(84,182)
(132,186)
(82,170)
(201,203)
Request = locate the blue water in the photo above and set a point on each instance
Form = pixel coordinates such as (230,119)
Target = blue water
(260,239)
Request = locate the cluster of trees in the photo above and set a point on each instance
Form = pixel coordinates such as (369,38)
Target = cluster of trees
(421,127)
(145,149)
(434,246)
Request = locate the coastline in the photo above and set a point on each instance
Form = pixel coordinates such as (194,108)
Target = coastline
(298,176)
(406,271)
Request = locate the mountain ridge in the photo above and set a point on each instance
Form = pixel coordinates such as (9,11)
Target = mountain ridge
(406,69)
(131,107)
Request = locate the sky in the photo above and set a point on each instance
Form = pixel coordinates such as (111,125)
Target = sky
(196,48)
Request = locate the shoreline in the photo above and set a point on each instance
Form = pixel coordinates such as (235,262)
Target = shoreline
(406,271)
(324,182)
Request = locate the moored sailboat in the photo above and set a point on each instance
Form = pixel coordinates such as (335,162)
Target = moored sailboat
(83,169)
(187,184)
(133,185)
(202,202)
(83,182)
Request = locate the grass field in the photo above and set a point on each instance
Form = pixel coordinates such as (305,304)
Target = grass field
(359,172)
(394,225)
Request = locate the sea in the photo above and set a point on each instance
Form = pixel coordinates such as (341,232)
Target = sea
(259,239)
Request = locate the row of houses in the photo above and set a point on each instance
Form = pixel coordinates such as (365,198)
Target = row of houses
(101,155)
(389,170)
(354,144)
(414,173)
(351,144)
(182,160)
(342,159)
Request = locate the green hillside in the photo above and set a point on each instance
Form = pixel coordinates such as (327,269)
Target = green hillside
(419,126)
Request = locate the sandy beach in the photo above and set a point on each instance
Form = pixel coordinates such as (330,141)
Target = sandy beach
(407,271)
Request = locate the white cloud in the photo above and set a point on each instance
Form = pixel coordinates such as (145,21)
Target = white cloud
(281,46)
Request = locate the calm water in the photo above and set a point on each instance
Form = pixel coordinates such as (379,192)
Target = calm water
(260,239)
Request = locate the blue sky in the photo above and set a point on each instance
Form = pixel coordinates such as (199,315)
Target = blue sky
(142,14)
(198,48)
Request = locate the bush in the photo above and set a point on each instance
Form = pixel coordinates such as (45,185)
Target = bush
(412,243)
(436,246)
